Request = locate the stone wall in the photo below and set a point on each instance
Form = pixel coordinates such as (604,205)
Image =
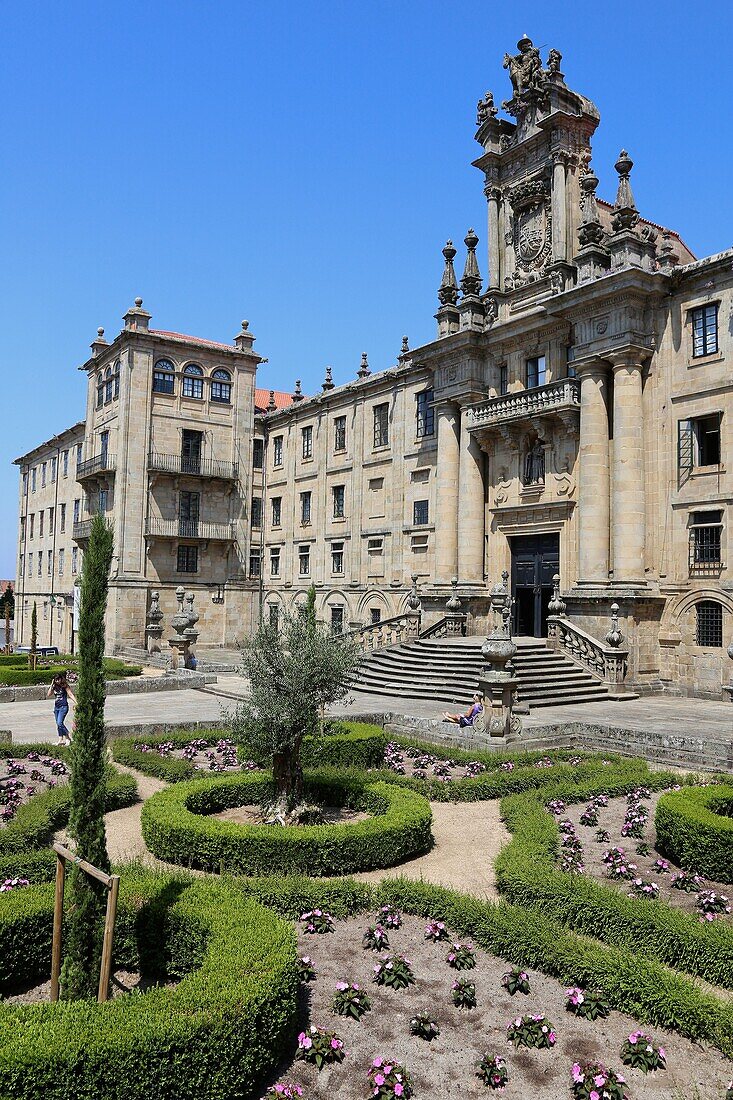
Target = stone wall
(142,685)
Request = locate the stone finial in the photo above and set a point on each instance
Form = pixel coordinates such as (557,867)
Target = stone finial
(471,280)
(453,604)
(99,344)
(244,339)
(137,319)
(557,605)
(193,616)
(625,213)
(328,383)
(667,256)
(413,600)
(271,406)
(448,291)
(405,350)
(363,371)
(179,621)
(298,394)
(614,636)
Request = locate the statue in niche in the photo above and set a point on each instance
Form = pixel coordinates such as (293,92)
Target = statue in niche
(534,465)
(525,68)
(485,109)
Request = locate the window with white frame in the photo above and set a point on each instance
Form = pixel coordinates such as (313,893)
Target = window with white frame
(277,450)
(275,562)
(164,377)
(193,381)
(306,437)
(337,558)
(304,560)
(221,386)
(704,320)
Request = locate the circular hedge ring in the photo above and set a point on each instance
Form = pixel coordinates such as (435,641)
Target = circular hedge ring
(178,828)
(695,830)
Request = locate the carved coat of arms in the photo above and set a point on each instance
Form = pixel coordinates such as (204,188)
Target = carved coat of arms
(531,225)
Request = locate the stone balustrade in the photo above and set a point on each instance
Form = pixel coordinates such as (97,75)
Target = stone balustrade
(605,661)
(564,394)
(387,632)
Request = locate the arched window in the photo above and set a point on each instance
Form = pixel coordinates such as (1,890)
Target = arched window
(221,386)
(100,390)
(709,627)
(193,381)
(163,376)
(117,378)
(108,385)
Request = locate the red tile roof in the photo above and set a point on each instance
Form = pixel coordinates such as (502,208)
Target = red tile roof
(262,400)
(191,339)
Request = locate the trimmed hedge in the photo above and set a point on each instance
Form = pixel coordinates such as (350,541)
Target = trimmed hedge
(695,829)
(348,745)
(176,829)
(15,672)
(215,1034)
(528,875)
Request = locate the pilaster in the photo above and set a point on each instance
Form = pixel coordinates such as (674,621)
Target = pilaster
(594,481)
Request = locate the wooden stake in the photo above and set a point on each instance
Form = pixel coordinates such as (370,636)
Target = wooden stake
(109,931)
(58,924)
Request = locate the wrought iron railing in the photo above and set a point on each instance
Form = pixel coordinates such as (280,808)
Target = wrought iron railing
(101,464)
(190,529)
(192,466)
(83,527)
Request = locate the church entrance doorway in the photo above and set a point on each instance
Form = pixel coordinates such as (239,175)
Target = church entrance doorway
(535,560)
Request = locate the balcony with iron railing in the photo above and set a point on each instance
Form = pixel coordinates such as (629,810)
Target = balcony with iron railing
(155,527)
(103,463)
(82,529)
(188,466)
(558,397)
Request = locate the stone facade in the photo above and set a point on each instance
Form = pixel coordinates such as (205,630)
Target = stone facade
(573,416)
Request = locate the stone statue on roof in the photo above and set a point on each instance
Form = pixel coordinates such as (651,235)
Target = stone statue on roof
(485,109)
(525,68)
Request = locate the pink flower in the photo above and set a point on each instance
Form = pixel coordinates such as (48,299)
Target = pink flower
(398,1089)
(377,1063)
(379,1079)
(599,1080)
(577,1075)
(595,1095)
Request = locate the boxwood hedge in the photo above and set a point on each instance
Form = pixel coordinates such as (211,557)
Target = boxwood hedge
(214,1034)
(347,745)
(695,829)
(527,874)
(177,827)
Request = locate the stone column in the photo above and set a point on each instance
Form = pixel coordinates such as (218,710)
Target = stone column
(493,197)
(446,496)
(471,509)
(628,471)
(559,205)
(593,488)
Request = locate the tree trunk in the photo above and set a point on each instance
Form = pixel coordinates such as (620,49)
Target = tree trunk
(287,772)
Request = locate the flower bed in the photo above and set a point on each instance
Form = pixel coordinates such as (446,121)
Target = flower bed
(215,1033)
(177,827)
(695,829)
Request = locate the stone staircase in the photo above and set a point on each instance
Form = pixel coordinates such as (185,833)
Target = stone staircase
(447,670)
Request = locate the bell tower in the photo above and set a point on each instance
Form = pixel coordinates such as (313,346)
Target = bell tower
(532,170)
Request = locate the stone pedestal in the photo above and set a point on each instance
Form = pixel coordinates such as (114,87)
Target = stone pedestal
(154,628)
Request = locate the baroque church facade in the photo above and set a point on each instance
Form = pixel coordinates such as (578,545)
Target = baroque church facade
(573,417)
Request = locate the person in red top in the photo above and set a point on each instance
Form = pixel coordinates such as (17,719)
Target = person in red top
(470,715)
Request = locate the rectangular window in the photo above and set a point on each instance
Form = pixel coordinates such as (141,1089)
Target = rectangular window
(189,511)
(163,382)
(62,555)
(536,372)
(337,557)
(277,503)
(375,615)
(33,520)
(256,511)
(108,390)
(339,434)
(62,518)
(277,451)
(50,521)
(337,620)
(221,391)
(274,616)
(255,563)
(40,524)
(103,502)
(420,513)
(21,563)
(705,541)
(53,470)
(188,559)
(193,386)
(305,509)
(381,425)
(275,563)
(339,494)
(117,380)
(49,563)
(25,483)
(425,413)
(258,453)
(30,563)
(570,361)
(191,446)
(77,510)
(699,443)
(100,393)
(306,435)
(33,480)
(43,473)
(375,546)
(74,559)
(40,563)
(704,330)
(503,379)
(65,463)
(79,448)
(304,561)
(104,446)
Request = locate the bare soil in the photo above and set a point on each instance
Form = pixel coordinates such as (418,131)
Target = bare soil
(251,814)
(446,1066)
(122,982)
(611,818)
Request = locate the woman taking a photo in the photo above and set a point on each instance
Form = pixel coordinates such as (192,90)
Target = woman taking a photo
(62,693)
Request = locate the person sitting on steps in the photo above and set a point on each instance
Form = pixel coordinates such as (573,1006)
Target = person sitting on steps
(470,715)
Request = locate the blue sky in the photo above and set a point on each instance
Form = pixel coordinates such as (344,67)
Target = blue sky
(299,165)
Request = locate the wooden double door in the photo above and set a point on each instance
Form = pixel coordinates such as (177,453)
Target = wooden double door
(535,560)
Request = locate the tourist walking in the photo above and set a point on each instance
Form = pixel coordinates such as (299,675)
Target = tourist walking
(62,693)
(470,715)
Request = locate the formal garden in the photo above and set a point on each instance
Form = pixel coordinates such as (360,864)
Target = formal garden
(269,945)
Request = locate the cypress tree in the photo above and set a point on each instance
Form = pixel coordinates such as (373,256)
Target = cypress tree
(32,659)
(86,896)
